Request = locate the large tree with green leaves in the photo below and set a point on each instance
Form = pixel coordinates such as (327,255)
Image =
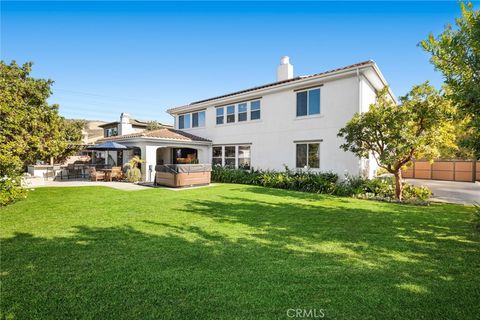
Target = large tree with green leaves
(456,53)
(30,128)
(395,134)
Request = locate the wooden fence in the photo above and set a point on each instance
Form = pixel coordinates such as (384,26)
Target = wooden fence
(451,170)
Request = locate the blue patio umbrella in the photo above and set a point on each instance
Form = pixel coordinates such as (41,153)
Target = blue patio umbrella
(107,146)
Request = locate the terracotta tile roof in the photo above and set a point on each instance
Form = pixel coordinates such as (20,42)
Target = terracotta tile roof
(165,133)
(360,64)
(135,122)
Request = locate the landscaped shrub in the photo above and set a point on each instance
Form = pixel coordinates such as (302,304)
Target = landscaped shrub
(325,182)
(11,190)
(476,217)
(288,179)
(411,192)
(133,173)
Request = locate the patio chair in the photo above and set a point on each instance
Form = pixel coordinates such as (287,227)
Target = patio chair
(96,175)
(117,173)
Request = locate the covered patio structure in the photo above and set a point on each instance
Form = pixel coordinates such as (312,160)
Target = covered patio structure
(163,147)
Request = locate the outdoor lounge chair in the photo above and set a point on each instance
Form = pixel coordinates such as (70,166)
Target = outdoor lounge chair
(117,173)
(96,175)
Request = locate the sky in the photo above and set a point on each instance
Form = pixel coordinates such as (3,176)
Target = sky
(145,57)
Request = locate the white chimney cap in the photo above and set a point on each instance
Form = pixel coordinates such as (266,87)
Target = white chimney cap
(285,69)
(285,60)
(124,117)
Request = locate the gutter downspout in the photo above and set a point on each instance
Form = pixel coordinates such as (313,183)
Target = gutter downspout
(359,91)
(361,160)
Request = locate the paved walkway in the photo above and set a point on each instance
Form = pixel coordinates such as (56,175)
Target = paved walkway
(126,186)
(85,183)
(451,191)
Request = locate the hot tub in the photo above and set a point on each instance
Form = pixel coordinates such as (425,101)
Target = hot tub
(182,175)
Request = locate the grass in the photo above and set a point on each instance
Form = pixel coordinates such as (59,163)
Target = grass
(234,252)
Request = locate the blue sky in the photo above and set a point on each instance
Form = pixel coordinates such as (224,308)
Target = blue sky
(144,57)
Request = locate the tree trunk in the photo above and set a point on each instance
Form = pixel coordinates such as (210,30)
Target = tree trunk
(398,185)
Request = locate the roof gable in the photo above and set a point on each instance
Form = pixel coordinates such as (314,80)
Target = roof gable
(163,134)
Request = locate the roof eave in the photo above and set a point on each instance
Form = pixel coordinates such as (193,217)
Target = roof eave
(282,86)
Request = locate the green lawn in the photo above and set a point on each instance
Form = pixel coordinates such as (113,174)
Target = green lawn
(234,252)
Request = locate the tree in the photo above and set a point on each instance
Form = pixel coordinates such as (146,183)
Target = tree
(154,125)
(72,135)
(456,53)
(394,134)
(30,128)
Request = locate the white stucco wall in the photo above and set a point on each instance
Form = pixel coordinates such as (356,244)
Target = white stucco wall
(149,148)
(367,97)
(273,137)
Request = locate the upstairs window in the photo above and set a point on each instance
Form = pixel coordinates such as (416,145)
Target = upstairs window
(110,132)
(198,119)
(308,155)
(220,115)
(238,112)
(242,112)
(308,102)
(255,110)
(184,121)
(230,114)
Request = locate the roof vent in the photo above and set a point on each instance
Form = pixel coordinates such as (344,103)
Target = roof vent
(285,69)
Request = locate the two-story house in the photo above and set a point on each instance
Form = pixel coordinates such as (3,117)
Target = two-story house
(292,122)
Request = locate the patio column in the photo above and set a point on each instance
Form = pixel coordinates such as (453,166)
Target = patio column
(150,158)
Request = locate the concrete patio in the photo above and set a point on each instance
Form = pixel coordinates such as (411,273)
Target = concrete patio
(126,186)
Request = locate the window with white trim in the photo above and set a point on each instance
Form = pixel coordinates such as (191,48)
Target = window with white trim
(191,120)
(308,102)
(184,121)
(220,115)
(229,156)
(217,156)
(198,119)
(255,110)
(308,155)
(244,157)
(230,114)
(232,156)
(242,112)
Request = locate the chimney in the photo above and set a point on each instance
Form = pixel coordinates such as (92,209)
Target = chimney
(125,117)
(285,69)
(125,127)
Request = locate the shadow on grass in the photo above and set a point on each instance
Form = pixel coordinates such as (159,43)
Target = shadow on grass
(251,259)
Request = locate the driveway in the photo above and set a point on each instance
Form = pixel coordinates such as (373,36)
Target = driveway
(451,191)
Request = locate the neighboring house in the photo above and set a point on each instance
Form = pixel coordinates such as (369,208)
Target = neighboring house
(292,122)
(92,131)
(126,125)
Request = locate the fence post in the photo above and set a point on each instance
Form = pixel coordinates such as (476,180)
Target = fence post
(474,170)
(454,169)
